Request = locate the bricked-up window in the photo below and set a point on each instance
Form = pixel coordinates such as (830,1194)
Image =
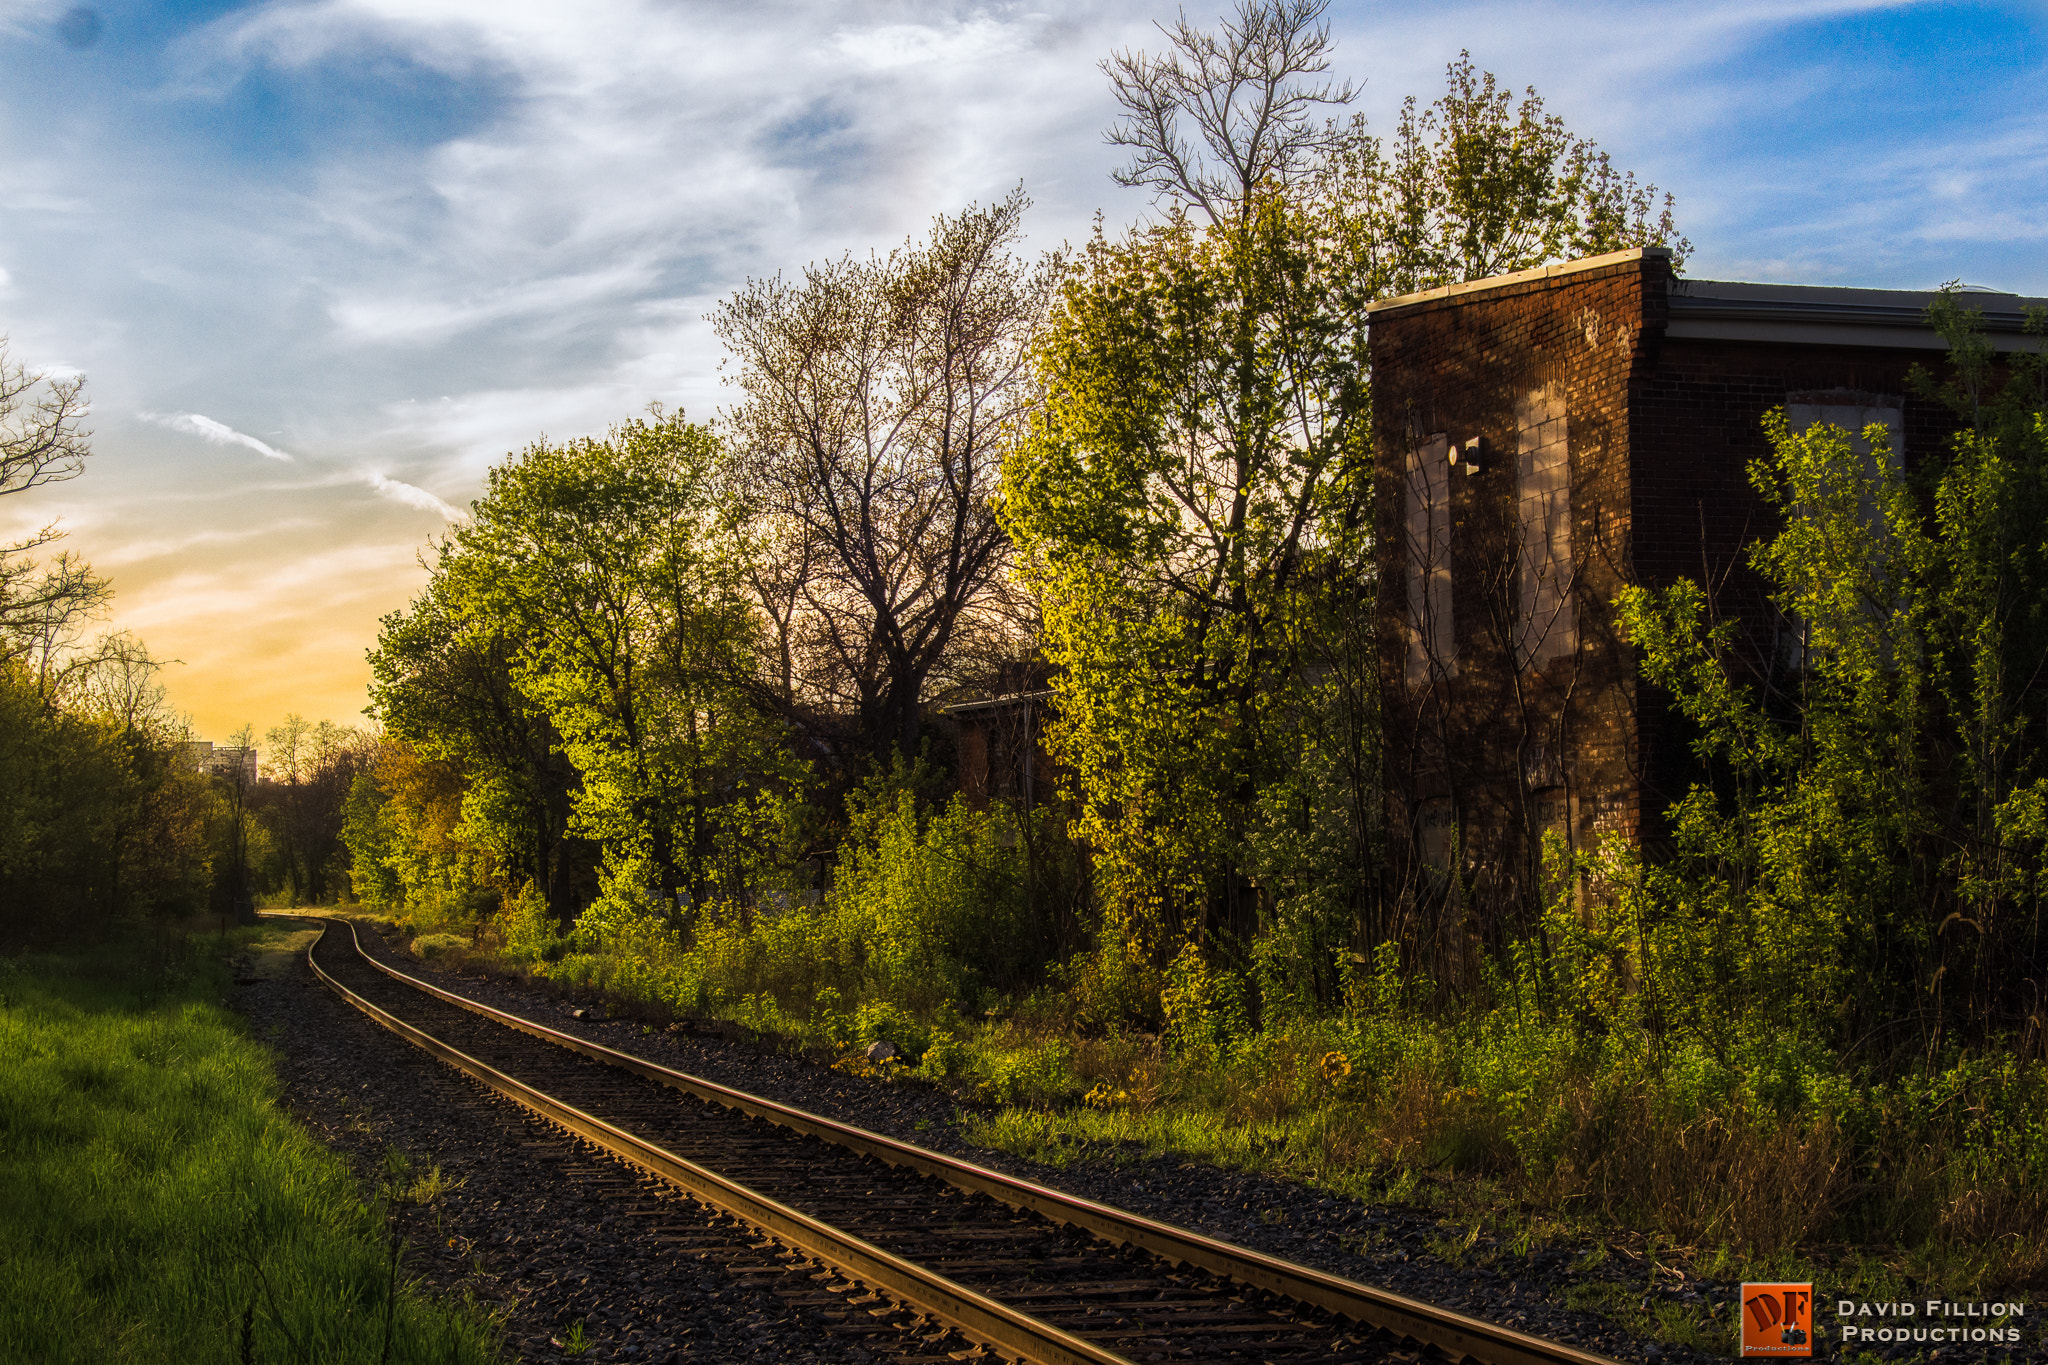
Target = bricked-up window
(1853,417)
(1853,413)
(1546,626)
(1426,527)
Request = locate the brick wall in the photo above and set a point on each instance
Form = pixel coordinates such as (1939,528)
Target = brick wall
(1661,433)
(1514,747)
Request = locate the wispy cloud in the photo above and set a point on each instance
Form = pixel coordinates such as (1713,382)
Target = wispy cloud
(220,433)
(409,495)
(408,236)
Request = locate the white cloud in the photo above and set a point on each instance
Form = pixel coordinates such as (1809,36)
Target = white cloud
(219,433)
(331,213)
(409,495)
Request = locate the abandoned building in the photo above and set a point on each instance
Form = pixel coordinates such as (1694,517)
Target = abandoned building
(1547,437)
(1001,748)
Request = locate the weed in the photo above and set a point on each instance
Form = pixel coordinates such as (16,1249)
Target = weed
(157,1206)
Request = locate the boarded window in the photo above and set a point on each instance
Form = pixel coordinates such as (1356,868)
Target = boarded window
(1426,529)
(1547,626)
(1854,418)
(1436,835)
(1853,414)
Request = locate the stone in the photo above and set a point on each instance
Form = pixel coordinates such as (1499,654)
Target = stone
(881,1051)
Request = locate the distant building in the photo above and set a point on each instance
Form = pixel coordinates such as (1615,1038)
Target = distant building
(221,760)
(1002,749)
(1547,437)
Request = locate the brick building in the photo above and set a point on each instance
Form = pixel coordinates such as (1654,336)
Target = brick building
(1547,437)
(1000,744)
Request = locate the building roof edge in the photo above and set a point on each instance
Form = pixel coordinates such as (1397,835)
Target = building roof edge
(1535,273)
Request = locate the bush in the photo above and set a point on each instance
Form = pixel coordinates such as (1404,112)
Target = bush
(427,947)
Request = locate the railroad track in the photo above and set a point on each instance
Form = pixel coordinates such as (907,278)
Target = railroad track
(990,1264)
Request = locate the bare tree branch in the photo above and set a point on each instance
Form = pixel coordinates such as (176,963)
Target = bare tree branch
(43,607)
(1239,87)
(881,396)
(40,437)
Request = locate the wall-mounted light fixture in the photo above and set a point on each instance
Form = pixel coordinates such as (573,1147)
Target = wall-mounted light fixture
(1466,456)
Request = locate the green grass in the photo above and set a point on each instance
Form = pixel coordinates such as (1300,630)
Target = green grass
(1426,1147)
(1764,1160)
(155,1203)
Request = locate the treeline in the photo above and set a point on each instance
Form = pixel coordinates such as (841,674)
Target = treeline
(108,820)
(683,683)
(98,822)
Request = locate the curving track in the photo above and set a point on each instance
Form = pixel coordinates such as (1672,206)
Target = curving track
(999,1264)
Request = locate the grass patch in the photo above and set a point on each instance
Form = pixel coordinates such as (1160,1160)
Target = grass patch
(1648,1198)
(1524,1128)
(156,1205)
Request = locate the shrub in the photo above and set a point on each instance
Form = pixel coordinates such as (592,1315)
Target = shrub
(427,947)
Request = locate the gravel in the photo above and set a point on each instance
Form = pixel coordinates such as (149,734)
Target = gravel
(541,1228)
(531,1229)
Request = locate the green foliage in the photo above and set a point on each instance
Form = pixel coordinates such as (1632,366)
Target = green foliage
(152,1193)
(935,903)
(1478,185)
(529,926)
(412,850)
(1866,849)
(926,917)
(101,825)
(615,566)
(1204,1007)
(427,947)
(1181,511)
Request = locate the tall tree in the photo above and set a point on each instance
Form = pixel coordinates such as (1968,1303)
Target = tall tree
(615,569)
(1240,88)
(880,397)
(1186,502)
(1477,184)
(442,685)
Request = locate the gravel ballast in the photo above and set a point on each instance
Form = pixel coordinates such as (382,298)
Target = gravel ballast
(536,1229)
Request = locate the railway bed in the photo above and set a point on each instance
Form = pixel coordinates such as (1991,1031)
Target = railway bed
(965,1261)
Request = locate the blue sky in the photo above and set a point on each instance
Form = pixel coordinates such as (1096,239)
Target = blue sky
(324,262)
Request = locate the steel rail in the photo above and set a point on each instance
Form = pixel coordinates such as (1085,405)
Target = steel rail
(980,1318)
(1455,1334)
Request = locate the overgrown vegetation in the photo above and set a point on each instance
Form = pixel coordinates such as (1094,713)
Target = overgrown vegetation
(155,1204)
(646,729)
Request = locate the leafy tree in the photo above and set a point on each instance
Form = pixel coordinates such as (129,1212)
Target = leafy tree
(442,684)
(409,852)
(1185,506)
(880,399)
(1476,185)
(615,567)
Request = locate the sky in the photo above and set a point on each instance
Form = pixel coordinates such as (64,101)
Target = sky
(322,264)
